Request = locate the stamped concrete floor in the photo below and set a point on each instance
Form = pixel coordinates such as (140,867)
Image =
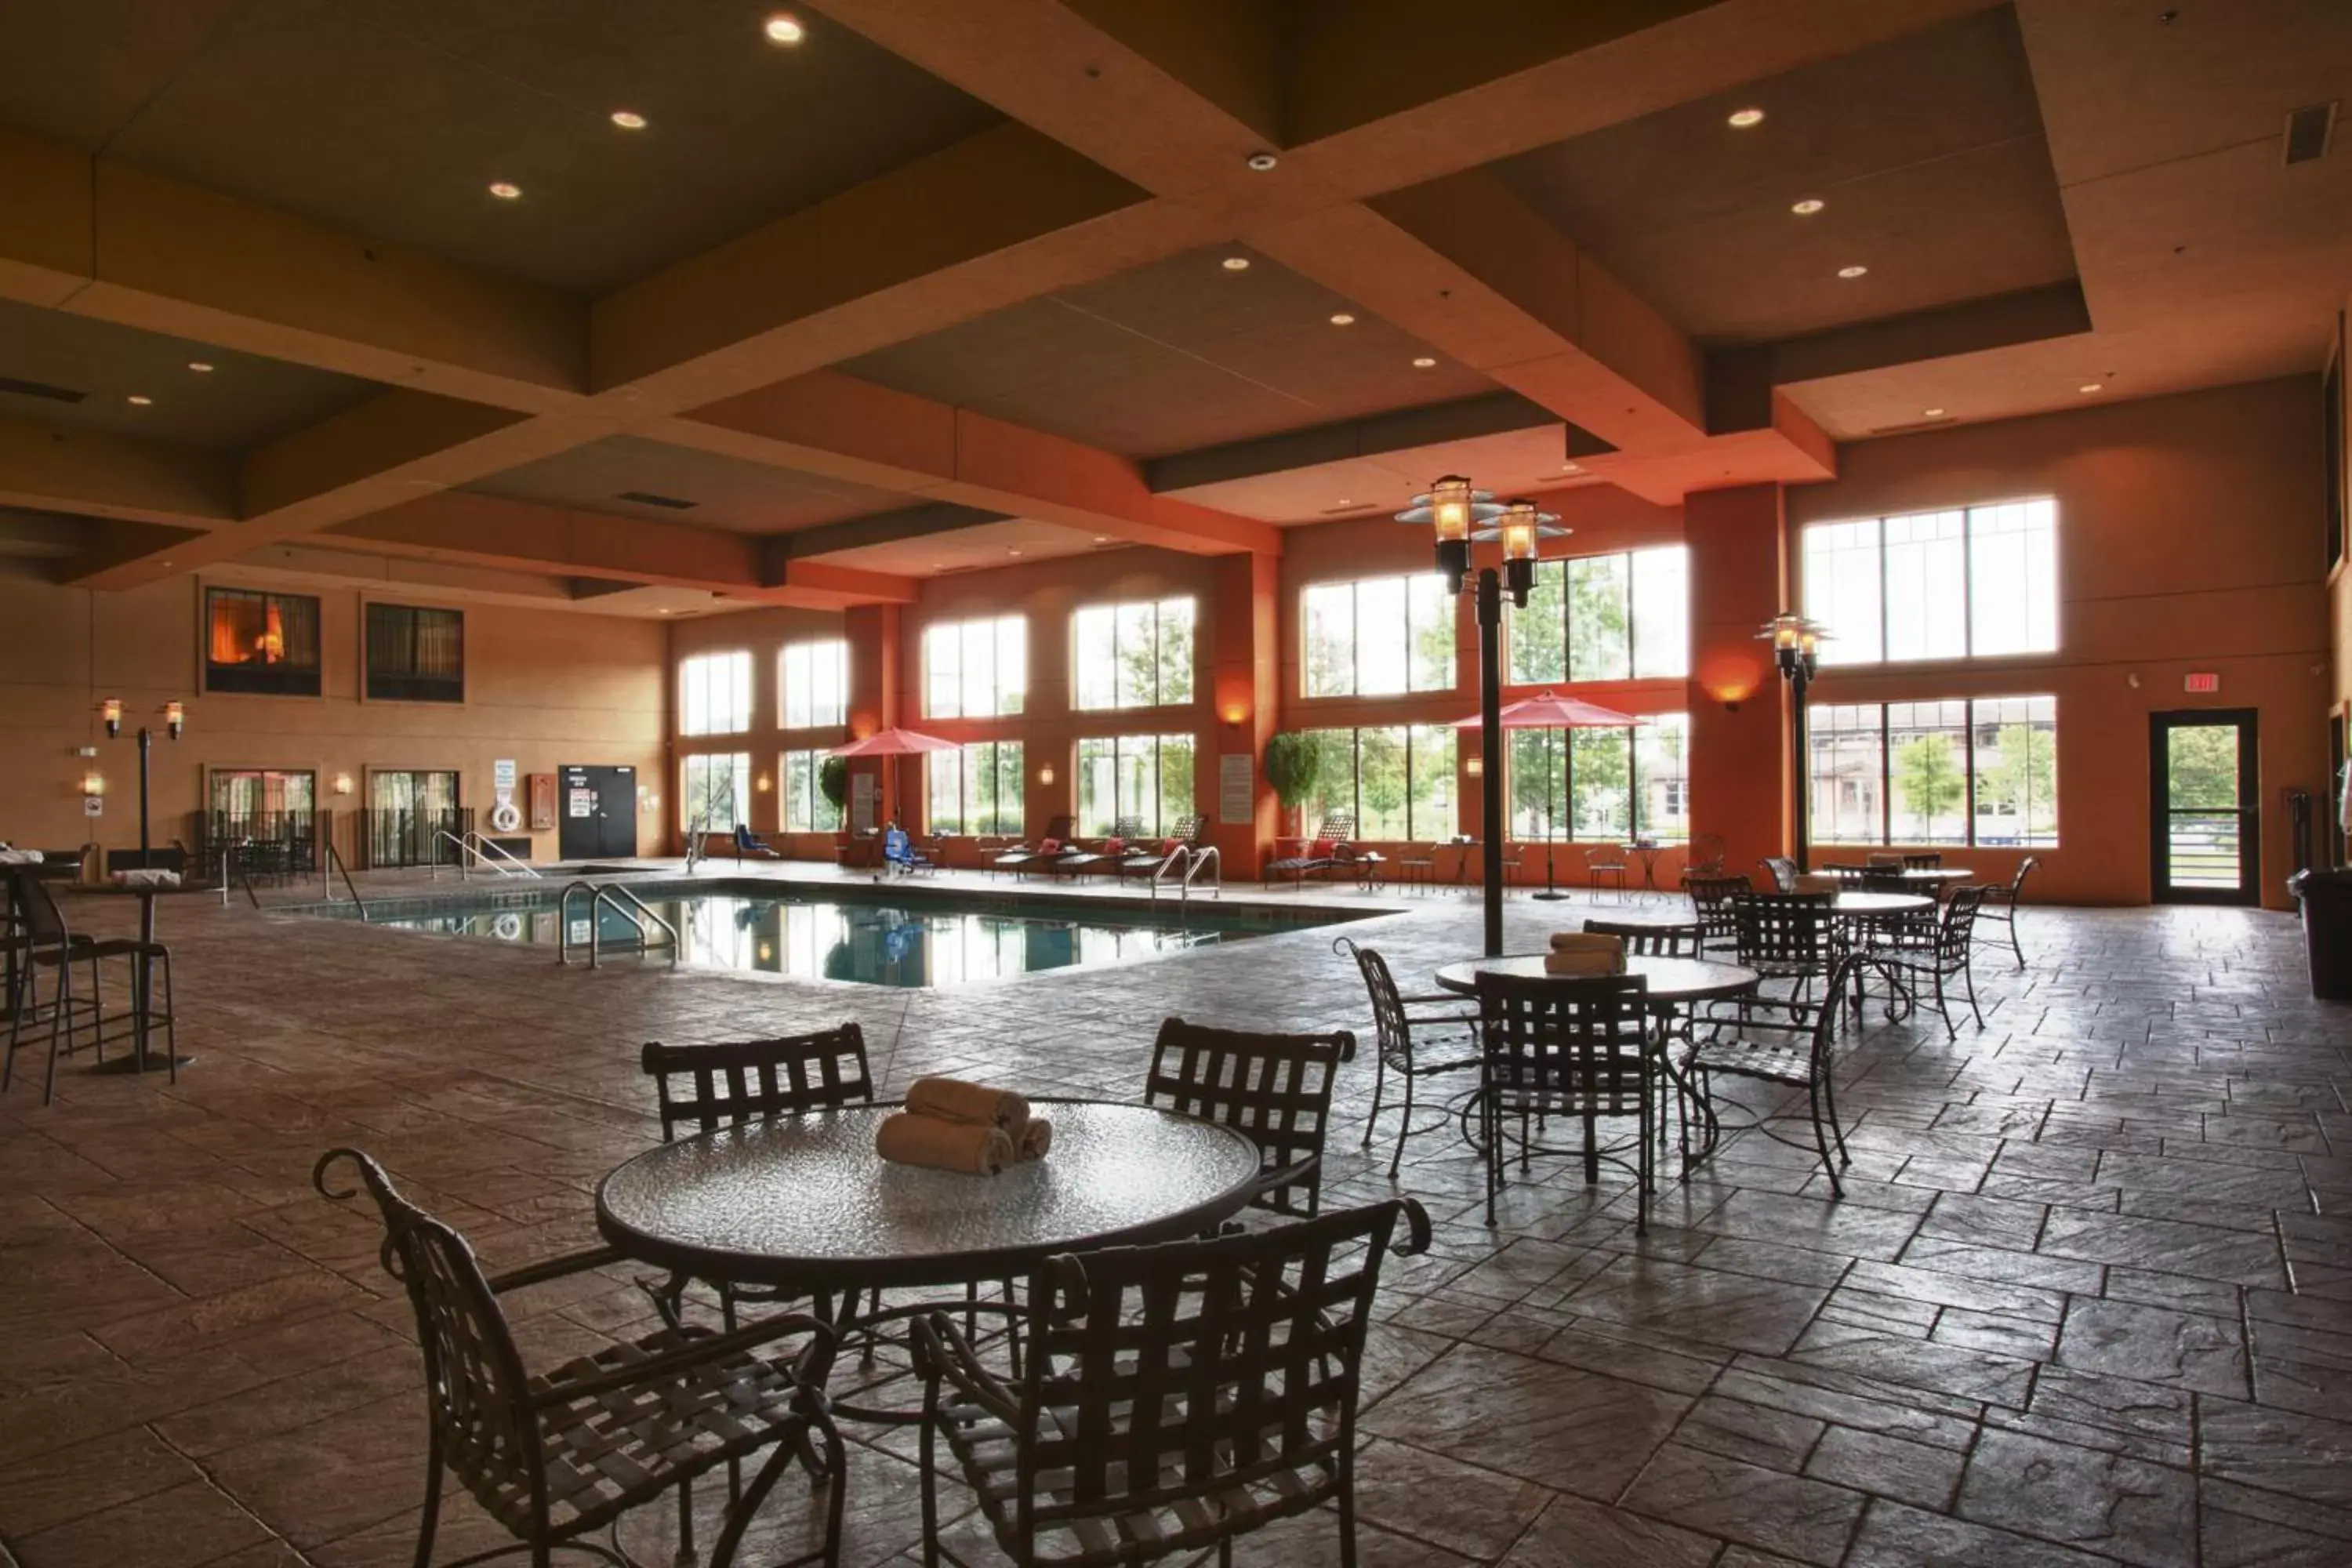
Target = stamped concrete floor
(2088,1296)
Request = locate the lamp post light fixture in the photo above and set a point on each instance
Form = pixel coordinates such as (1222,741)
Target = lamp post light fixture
(1458,514)
(175,723)
(1797,653)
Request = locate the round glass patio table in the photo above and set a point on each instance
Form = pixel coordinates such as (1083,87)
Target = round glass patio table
(804,1202)
(1673,980)
(1877,906)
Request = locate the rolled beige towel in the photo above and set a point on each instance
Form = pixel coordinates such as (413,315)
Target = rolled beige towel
(1584,964)
(968,1148)
(1036,1139)
(1586,941)
(1816,882)
(952,1099)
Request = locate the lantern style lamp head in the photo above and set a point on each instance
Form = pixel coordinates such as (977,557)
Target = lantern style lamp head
(1453,509)
(1517,530)
(1796,643)
(111,711)
(175,719)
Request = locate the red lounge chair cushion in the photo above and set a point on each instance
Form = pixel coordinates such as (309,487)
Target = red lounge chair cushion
(1114,846)
(1321,848)
(1050,846)
(1168,846)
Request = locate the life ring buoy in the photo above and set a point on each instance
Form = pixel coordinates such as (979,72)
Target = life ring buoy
(504,817)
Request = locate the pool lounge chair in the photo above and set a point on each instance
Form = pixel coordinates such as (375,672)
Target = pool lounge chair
(1320,855)
(1023,858)
(1145,859)
(749,842)
(1104,858)
(900,855)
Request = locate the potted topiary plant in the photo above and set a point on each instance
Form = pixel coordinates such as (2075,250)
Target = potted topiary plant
(1292,760)
(833,782)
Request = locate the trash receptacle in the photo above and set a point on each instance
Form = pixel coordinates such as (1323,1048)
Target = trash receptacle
(2327,900)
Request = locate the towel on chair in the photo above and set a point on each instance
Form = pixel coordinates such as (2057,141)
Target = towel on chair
(969,1148)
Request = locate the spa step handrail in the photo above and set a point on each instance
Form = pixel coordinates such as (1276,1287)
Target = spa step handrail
(335,864)
(1192,861)
(481,849)
(601,894)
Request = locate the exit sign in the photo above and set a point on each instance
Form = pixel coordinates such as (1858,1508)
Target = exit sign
(2204,682)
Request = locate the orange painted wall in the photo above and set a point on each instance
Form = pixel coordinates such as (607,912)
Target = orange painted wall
(544,688)
(2189,533)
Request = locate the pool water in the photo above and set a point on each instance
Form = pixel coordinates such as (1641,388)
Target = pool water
(896,937)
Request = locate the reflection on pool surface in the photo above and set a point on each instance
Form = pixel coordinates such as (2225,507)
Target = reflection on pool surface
(929,943)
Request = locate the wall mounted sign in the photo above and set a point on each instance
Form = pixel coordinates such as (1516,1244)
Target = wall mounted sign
(543,803)
(1236,790)
(2202,681)
(861,802)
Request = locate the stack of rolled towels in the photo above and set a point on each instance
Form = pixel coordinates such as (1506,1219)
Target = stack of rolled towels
(1585,953)
(1817,882)
(951,1125)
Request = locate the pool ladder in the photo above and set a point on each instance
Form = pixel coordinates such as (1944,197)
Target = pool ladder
(601,895)
(1193,861)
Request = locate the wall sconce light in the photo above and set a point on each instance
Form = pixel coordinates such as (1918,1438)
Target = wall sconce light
(1474,766)
(1235,714)
(1046,775)
(762,785)
(93,783)
(343,783)
(175,718)
(111,709)
(767,953)
(653,803)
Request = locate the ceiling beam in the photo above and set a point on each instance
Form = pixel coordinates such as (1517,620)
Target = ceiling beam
(98,475)
(878,528)
(1464,419)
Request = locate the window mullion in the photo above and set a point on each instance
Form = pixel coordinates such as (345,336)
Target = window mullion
(1886,779)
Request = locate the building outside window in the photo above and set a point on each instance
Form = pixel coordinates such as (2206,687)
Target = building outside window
(1376,637)
(717,793)
(1604,617)
(714,694)
(1133,656)
(975,669)
(1981,771)
(806,810)
(975,789)
(1397,780)
(261,643)
(814,680)
(1978,582)
(1605,785)
(414,654)
(1145,777)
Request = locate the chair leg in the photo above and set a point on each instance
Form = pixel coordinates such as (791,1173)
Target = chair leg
(430,1520)
(1968,972)
(2013,946)
(740,1514)
(685,1518)
(1941,1007)
(1829,1103)
(1379,1082)
(1404,1130)
(929,1457)
(61,1007)
(170,1021)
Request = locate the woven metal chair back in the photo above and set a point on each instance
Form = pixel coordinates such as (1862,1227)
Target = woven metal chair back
(1959,926)
(702,1088)
(476,1395)
(1338,824)
(2017,883)
(1648,941)
(1058,827)
(1276,1087)
(1704,856)
(1188,1392)
(1126,827)
(1712,897)
(1391,1026)
(1930,860)
(1566,1046)
(1188,828)
(1783,931)
(1783,871)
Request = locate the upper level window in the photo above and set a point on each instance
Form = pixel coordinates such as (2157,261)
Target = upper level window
(815,680)
(1377,636)
(1977,582)
(1133,656)
(714,694)
(257,642)
(975,669)
(1605,618)
(415,655)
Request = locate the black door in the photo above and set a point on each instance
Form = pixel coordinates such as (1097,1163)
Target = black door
(597,813)
(2204,792)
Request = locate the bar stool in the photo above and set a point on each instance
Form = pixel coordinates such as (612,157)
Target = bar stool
(50,945)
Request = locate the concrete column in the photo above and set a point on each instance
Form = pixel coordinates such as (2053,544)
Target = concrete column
(1243,672)
(872,631)
(1739,762)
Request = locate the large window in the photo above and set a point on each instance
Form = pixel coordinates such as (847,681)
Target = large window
(1954,771)
(1377,637)
(415,655)
(975,789)
(1148,777)
(714,694)
(262,643)
(717,793)
(1978,582)
(1603,785)
(1133,656)
(813,679)
(805,808)
(1605,618)
(975,669)
(1397,780)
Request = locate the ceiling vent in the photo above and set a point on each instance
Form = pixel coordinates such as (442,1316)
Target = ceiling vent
(2309,131)
(647,497)
(40,389)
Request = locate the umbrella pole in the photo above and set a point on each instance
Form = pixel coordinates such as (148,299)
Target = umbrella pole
(1551,893)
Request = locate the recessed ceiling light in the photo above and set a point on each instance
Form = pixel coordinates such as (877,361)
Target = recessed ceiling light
(664,611)
(1931,414)
(1102,539)
(201,367)
(1571,467)
(1741,118)
(1425,362)
(1852,272)
(1345,501)
(629,119)
(1341,319)
(1236,264)
(2086,386)
(505,192)
(1259,162)
(138,400)
(1010,551)
(1809,207)
(784,28)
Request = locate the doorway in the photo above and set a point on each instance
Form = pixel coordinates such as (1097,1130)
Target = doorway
(413,817)
(598,818)
(2205,795)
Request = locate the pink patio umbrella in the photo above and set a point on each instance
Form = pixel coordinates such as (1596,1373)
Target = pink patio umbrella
(893,743)
(1547,710)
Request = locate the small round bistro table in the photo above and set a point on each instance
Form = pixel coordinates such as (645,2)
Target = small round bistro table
(1881,906)
(805,1204)
(1674,981)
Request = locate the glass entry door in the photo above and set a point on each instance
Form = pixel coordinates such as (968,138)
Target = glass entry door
(409,811)
(2205,796)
